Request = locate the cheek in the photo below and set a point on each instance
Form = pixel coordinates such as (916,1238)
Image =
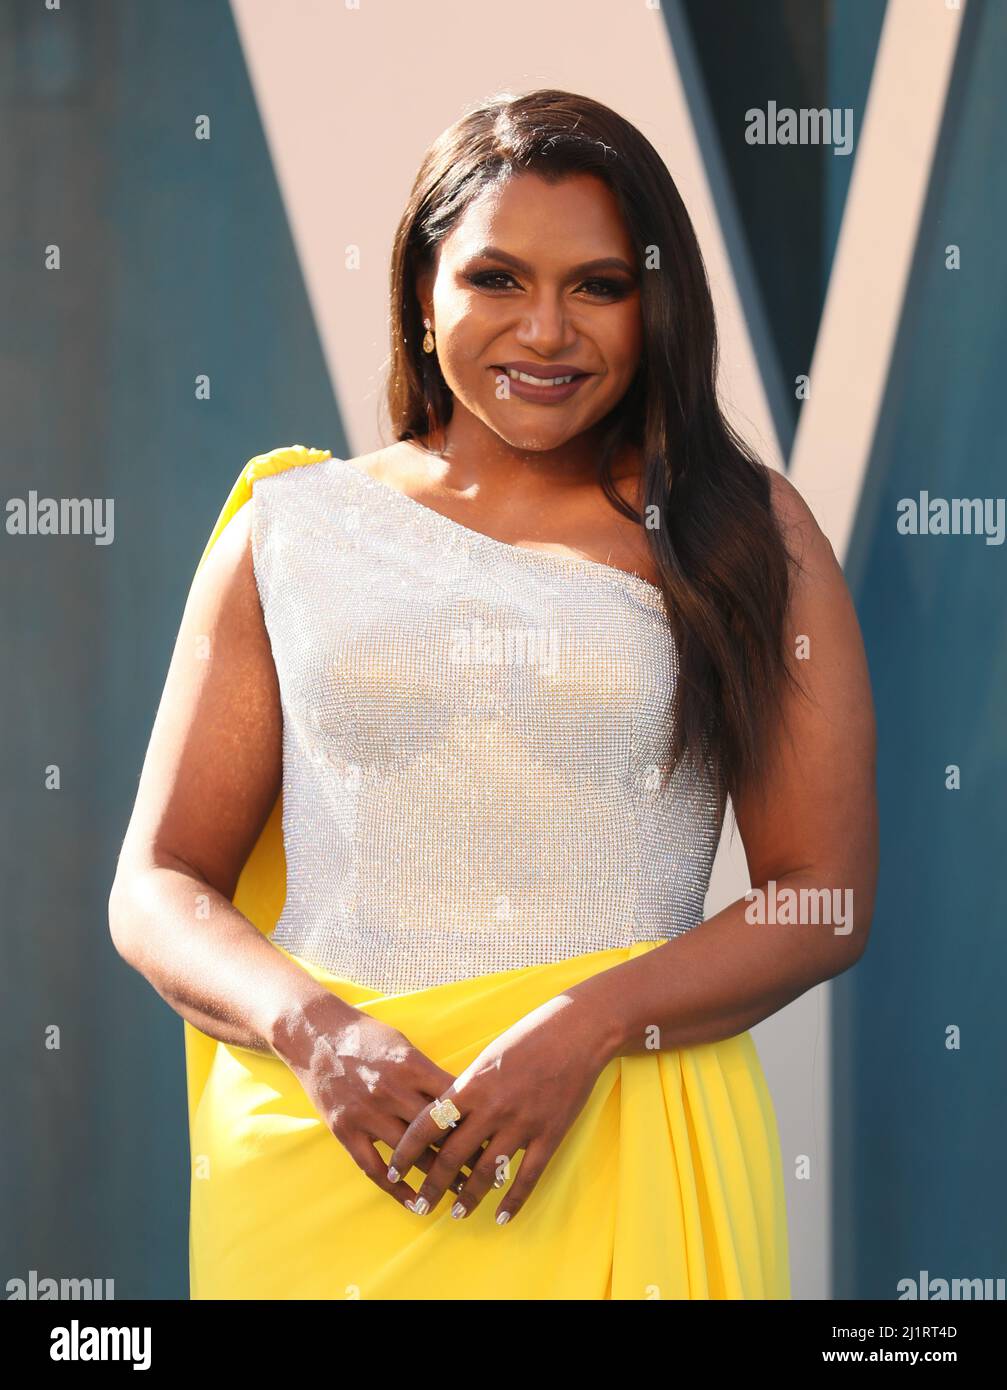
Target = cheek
(461,330)
(463,317)
(626,340)
(458,353)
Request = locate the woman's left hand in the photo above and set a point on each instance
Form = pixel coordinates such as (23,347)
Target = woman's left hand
(523,1091)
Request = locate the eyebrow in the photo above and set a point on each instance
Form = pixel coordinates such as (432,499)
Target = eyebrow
(494,253)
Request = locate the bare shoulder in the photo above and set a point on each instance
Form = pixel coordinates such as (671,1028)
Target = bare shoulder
(230,559)
(793,515)
(815,563)
(364,463)
(393,464)
(225,591)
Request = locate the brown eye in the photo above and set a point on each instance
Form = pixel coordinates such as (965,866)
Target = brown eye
(607,289)
(484,279)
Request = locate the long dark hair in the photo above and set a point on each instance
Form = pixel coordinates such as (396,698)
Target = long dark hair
(720,555)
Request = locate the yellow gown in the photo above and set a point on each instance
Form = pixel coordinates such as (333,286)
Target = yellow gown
(668,1185)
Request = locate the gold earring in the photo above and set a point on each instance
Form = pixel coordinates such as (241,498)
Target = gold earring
(428,341)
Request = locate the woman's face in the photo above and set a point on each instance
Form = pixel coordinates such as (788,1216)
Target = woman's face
(540,278)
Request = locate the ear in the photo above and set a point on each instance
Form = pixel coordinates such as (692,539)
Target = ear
(424,292)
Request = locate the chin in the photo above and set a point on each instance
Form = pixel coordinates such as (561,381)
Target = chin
(538,439)
(533,443)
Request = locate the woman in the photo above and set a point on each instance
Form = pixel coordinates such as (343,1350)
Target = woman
(505,672)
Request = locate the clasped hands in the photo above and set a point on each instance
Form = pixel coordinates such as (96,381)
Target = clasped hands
(523,1091)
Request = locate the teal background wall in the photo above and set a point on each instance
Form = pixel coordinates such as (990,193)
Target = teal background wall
(921,1130)
(918,1131)
(176,260)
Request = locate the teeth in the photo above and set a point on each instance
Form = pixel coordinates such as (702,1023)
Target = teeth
(538,380)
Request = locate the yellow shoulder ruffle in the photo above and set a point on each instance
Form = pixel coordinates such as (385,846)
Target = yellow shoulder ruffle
(261,466)
(276,460)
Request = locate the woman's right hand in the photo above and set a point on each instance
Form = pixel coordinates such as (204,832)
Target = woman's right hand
(365,1079)
(210,780)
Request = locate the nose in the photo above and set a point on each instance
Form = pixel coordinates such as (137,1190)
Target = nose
(545,327)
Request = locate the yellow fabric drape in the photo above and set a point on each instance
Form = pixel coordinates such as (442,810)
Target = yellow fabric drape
(669,1184)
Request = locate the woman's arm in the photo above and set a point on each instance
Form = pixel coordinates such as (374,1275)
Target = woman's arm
(812,825)
(210,780)
(211,777)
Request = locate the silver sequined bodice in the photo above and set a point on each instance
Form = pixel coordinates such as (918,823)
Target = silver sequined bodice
(472,735)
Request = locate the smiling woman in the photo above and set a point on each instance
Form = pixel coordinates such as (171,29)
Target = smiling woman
(456,977)
(538,381)
(515,254)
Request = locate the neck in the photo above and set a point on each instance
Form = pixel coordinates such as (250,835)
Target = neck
(475,456)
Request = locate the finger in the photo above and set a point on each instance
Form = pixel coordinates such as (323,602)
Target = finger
(366,1156)
(467,1163)
(421,1134)
(389,1131)
(493,1170)
(426,1161)
(433,1083)
(531,1168)
(438,1084)
(446,1172)
(457,1182)
(406,1107)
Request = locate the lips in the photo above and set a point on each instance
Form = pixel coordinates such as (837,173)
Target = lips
(540,373)
(540,385)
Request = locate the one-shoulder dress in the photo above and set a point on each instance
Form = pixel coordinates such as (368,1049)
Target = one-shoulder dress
(473,818)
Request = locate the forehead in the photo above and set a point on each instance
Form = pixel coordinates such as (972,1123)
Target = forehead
(576,219)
